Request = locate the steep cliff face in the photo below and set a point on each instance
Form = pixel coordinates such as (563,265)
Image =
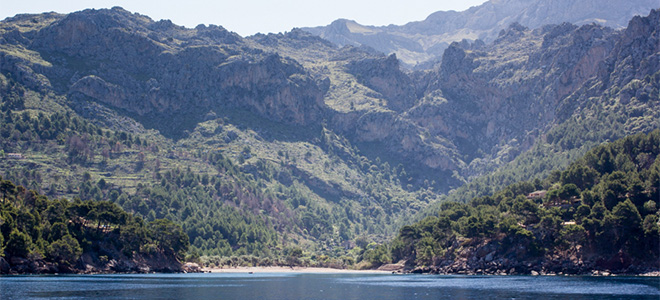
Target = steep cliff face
(159,70)
(417,43)
(385,77)
(636,54)
(507,91)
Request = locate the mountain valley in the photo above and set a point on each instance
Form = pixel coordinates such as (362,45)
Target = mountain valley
(289,149)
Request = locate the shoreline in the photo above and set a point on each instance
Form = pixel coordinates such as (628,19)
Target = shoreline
(307,270)
(317,270)
(320,270)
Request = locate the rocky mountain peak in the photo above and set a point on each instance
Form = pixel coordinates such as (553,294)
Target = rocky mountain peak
(296,38)
(345,26)
(647,26)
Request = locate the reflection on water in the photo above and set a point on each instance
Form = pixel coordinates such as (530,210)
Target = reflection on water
(268,286)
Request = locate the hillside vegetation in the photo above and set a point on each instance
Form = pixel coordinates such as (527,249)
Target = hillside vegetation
(62,236)
(600,214)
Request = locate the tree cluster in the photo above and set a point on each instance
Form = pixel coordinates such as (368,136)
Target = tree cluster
(603,204)
(59,231)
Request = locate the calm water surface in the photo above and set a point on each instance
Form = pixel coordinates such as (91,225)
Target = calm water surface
(268,286)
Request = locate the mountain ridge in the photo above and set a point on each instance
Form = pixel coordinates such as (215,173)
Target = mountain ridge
(420,42)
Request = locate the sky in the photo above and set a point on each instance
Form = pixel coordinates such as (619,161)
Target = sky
(247,17)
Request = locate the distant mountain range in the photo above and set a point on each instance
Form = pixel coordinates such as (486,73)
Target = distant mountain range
(420,42)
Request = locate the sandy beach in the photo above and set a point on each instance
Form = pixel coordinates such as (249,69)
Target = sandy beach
(288,270)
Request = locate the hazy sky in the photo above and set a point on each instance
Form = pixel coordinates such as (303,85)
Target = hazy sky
(247,17)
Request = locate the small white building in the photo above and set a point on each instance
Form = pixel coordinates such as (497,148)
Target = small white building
(537,195)
(15,156)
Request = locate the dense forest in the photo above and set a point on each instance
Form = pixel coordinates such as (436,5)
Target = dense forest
(40,235)
(600,213)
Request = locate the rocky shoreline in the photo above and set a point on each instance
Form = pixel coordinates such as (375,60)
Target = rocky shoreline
(597,266)
(525,270)
(484,256)
(87,265)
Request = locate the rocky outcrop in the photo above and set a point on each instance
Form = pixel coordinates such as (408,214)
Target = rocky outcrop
(90,263)
(100,90)
(635,54)
(375,126)
(489,257)
(384,76)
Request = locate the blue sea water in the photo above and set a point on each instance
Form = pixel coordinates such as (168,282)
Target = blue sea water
(266,286)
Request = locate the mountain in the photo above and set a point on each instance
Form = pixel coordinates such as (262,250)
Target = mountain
(150,68)
(602,109)
(485,104)
(420,42)
(199,126)
(286,149)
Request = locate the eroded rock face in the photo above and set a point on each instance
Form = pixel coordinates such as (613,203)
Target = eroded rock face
(504,91)
(636,53)
(97,88)
(384,76)
(157,69)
